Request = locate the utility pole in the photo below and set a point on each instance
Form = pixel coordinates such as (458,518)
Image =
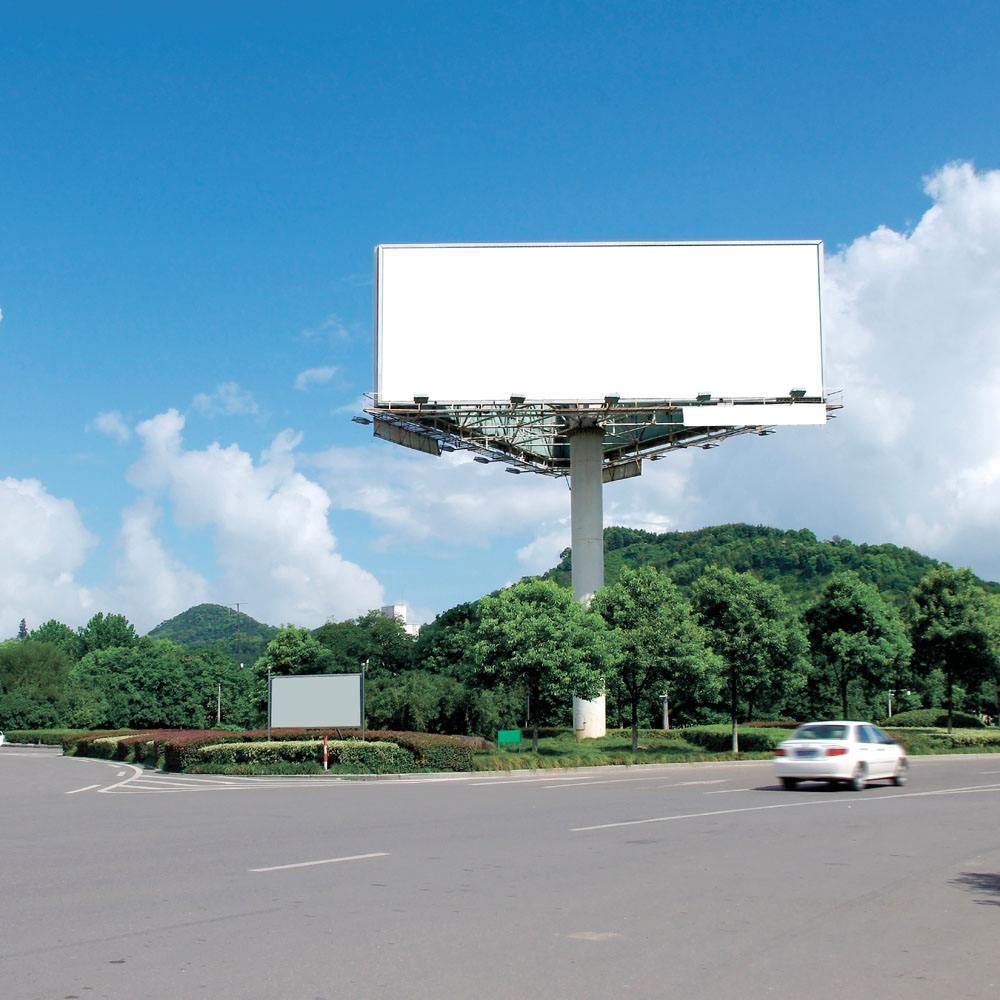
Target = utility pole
(239,646)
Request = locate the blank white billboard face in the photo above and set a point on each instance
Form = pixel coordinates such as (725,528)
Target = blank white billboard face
(315,701)
(569,323)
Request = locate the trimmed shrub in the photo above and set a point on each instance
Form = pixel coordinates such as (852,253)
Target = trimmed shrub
(987,739)
(82,744)
(179,748)
(354,755)
(307,767)
(46,737)
(937,717)
(719,739)
(257,752)
(375,758)
(775,724)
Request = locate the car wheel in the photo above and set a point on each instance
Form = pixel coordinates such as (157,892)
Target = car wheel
(899,778)
(788,784)
(858,779)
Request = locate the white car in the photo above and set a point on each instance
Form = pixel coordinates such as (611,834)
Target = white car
(1,739)
(839,751)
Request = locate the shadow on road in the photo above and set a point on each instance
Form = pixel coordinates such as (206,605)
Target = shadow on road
(981,882)
(824,787)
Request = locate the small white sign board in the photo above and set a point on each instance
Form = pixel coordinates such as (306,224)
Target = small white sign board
(315,701)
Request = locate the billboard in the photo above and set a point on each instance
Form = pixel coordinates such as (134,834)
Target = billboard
(315,701)
(580,322)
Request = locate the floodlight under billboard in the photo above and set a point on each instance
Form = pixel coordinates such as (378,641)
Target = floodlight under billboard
(582,359)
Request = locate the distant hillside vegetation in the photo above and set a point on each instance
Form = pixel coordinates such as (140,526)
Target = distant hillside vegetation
(216,626)
(796,561)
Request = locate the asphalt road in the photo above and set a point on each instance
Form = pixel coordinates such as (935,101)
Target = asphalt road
(672,881)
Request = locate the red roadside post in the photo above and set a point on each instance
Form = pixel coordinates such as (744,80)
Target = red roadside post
(326,755)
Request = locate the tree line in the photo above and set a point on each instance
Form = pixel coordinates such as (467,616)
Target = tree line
(731,647)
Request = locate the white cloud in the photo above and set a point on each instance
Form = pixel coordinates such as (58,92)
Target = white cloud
(314,376)
(912,334)
(229,399)
(331,328)
(43,544)
(151,585)
(269,523)
(112,425)
(453,501)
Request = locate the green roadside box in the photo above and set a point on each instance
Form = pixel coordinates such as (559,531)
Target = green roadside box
(508,738)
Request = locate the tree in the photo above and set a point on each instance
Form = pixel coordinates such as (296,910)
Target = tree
(22,630)
(751,628)
(855,635)
(106,631)
(55,633)
(32,680)
(293,650)
(445,645)
(536,636)
(658,641)
(953,630)
(383,643)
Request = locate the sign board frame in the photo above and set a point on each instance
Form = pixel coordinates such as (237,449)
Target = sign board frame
(517,419)
(567,323)
(316,701)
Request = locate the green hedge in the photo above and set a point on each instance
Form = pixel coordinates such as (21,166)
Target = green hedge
(375,758)
(986,739)
(82,744)
(256,752)
(933,717)
(257,770)
(176,750)
(719,739)
(47,737)
(355,755)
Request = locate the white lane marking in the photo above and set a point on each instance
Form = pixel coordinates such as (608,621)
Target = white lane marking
(178,783)
(989,772)
(87,788)
(726,791)
(656,777)
(789,805)
(136,772)
(326,861)
(568,779)
(138,788)
(187,780)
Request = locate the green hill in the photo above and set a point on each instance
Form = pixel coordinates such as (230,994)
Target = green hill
(796,561)
(216,626)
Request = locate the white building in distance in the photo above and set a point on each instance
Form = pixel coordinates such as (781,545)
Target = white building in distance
(398,611)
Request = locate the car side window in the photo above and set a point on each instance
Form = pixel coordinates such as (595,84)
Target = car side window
(882,736)
(865,735)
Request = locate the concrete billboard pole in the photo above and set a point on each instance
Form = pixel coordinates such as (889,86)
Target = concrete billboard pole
(586,465)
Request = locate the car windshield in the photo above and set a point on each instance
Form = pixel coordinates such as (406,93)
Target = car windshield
(820,731)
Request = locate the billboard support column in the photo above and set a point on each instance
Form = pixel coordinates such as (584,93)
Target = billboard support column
(586,456)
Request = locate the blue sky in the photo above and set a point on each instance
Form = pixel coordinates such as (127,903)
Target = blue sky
(190,196)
